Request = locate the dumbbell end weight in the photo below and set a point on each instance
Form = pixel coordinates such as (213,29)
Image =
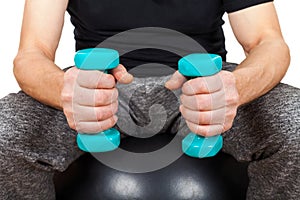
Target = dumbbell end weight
(104,141)
(96,59)
(192,66)
(201,147)
(200,64)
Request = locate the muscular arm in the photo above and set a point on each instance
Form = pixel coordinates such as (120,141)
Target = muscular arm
(34,66)
(267,55)
(212,111)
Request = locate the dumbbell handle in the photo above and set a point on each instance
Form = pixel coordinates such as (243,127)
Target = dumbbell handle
(199,65)
(98,59)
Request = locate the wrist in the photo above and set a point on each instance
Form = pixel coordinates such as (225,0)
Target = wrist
(240,85)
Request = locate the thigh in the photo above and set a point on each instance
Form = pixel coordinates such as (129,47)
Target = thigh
(35,132)
(20,179)
(266,125)
(146,107)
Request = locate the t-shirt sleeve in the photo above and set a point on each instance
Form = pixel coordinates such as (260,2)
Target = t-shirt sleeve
(235,5)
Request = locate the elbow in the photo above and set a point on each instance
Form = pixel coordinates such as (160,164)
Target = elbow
(20,70)
(276,46)
(282,55)
(286,58)
(18,63)
(287,53)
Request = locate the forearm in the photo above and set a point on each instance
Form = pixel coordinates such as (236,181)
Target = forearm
(39,77)
(263,68)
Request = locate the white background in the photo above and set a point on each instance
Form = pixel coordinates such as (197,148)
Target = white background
(11,17)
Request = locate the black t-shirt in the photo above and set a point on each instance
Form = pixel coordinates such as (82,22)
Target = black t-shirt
(97,20)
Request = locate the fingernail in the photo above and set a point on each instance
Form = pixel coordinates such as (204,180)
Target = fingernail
(169,84)
(128,78)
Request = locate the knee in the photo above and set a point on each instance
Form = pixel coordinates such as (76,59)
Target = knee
(279,110)
(7,124)
(286,118)
(286,113)
(291,143)
(14,123)
(35,133)
(273,121)
(19,129)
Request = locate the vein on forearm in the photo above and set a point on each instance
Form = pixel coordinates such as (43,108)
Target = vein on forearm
(264,67)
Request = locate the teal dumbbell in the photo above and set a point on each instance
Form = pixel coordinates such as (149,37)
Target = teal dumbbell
(98,59)
(192,66)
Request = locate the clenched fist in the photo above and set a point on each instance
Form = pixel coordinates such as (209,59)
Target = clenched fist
(90,98)
(208,104)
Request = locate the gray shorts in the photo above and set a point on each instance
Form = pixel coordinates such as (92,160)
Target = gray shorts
(36,141)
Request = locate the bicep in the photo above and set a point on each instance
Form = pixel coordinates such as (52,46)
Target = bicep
(42,25)
(254,25)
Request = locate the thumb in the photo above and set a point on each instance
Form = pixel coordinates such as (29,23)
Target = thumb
(120,73)
(176,81)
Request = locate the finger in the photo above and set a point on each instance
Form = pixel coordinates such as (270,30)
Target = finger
(96,127)
(204,102)
(94,114)
(205,130)
(202,85)
(95,79)
(70,117)
(70,77)
(121,74)
(204,117)
(176,81)
(94,97)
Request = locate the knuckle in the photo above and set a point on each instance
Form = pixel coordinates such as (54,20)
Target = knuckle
(99,113)
(70,75)
(232,99)
(108,96)
(66,96)
(205,132)
(110,79)
(182,98)
(189,125)
(227,77)
(79,127)
(200,84)
(115,94)
(114,107)
(201,102)
(235,98)
(100,127)
(68,113)
(197,129)
(105,112)
(201,118)
(227,126)
(187,87)
(99,83)
(110,123)
(101,77)
(114,120)
(72,124)
(231,114)
(183,111)
(100,97)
